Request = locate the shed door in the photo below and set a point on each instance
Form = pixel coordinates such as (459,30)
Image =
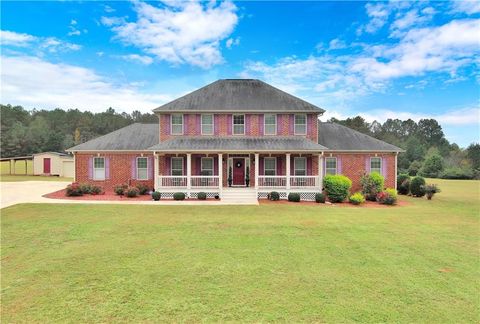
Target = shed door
(46,165)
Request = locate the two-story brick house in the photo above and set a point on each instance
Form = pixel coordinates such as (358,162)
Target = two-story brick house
(229,134)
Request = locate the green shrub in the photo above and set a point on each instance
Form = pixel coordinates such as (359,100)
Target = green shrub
(202,196)
(293,196)
(457,173)
(414,167)
(371,185)
(131,192)
(357,198)
(387,197)
(179,196)
(319,198)
(417,187)
(120,189)
(156,195)
(337,187)
(86,188)
(274,196)
(403,184)
(73,190)
(142,188)
(431,189)
(96,190)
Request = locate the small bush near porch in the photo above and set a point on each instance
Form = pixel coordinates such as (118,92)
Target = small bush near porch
(126,263)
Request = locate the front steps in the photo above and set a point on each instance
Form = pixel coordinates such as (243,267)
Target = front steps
(240,196)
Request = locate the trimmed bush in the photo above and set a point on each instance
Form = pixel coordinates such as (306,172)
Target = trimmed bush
(156,195)
(387,197)
(319,198)
(73,190)
(417,187)
(371,185)
(86,188)
(131,192)
(403,184)
(337,187)
(357,198)
(217,197)
(142,189)
(274,196)
(430,190)
(202,196)
(96,190)
(293,196)
(120,189)
(179,196)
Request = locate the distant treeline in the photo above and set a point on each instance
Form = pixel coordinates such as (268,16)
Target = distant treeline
(428,152)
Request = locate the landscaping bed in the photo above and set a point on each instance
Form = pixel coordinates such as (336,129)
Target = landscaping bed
(367,204)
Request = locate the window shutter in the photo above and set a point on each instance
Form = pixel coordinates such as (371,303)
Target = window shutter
(279,124)
(261,166)
(309,123)
(186,117)
(90,168)
(168,121)
(216,124)
(309,166)
(134,168)
(280,165)
(198,165)
(367,164)
(247,124)
(185,165)
(292,125)
(150,168)
(324,166)
(107,168)
(168,170)
(198,131)
(215,165)
(229,124)
(384,167)
(339,165)
(261,119)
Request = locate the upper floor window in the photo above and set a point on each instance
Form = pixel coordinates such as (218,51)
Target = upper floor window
(330,165)
(207,124)
(376,164)
(270,166)
(99,168)
(300,124)
(270,127)
(177,124)
(207,166)
(300,166)
(177,166)
(238,124)
(142,167)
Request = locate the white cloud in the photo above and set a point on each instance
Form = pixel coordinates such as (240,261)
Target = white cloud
(15,39)
(232,42)
(33,82)
(73,29)
(73,22)
(108,9)
(49,44)
(100,54)
(75,32)
(465,6)
(337,44)
(53,45)
(179,32)
(143,59)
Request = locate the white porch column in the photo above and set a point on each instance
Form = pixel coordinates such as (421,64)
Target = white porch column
(320,170)
(220,174)
(287,171)
(257,169)
(189,173)
(155,171)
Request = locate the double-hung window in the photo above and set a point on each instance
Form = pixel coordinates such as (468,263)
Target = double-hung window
(376,165)
(207,124)
(99,168)
(238,124)
(300,124)
(177,124)
(142,168)
(330,165)
(207,166)
(300,166)
(177,166)
(270,127)
(270,166)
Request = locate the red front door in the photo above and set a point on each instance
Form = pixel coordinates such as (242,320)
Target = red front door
(238,172)
(46,165)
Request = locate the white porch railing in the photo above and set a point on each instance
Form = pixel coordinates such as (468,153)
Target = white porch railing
(272,181)
(303,181)
(173,181)
(195,181)
(204,181)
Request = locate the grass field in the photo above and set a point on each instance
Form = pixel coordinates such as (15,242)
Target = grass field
(19,167)
(106,263)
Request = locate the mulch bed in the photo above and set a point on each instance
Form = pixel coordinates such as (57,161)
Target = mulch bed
(367,204)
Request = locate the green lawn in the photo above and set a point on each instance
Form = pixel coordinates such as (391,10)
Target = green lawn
(15,178)
(106,263)
(19,167)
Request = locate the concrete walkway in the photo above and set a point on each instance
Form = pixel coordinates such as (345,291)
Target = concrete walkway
(13,193)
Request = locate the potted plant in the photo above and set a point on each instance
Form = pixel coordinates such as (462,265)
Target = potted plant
(230,177)
(247,177)
(430,190)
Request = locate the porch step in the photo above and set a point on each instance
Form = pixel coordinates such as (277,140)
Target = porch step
(239,196)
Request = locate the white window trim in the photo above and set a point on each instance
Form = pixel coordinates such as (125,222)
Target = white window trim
(233,123)
(171,165)
(213,124)
(295,165)
(201,165)
(265,124)
(295,124)
(336,164)
(142,157)
(171,124)
(275,163)
(94,168)
(381,162)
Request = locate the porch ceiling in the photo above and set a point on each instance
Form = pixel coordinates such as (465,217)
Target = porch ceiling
(239,144)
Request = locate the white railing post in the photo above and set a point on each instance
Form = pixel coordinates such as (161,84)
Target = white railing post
(320,171)
(155,171)
(220,174)
(287,171)
(257,169)
(189,173)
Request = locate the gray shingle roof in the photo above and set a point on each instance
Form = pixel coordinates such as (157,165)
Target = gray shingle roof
(277,143)
(137,136)
(340,138)
(241,95)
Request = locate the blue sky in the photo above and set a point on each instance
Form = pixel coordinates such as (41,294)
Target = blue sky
(376,59)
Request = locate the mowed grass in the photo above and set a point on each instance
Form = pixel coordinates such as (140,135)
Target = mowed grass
(19,167)
(107,263)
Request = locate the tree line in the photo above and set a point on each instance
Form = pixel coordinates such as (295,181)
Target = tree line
(427,151)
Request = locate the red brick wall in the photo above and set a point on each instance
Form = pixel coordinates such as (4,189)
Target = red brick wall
(353,166)
(120,169)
